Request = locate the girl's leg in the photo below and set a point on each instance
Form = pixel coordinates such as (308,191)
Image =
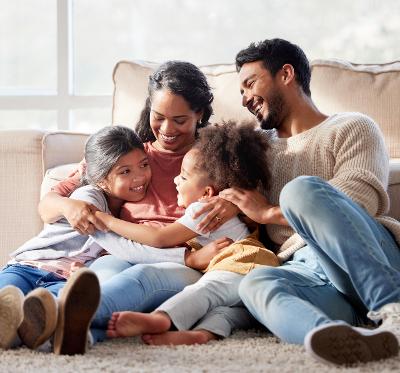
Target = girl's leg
(20,276)
(107,266)
(215,288)
(219,322)
(142,288)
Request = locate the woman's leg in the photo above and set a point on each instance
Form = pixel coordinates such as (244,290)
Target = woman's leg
(142,288)
(108,266)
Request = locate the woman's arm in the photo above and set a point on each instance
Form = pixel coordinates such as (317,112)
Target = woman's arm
(170,235)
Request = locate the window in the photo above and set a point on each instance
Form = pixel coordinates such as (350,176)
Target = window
(58,55)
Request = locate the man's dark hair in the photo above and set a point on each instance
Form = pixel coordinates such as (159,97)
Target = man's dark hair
(275,53)
(234,155)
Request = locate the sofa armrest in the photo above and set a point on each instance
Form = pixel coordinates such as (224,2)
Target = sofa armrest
(62,147)
(22,172)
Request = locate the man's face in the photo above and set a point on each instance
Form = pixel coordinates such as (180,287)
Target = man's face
(261,94)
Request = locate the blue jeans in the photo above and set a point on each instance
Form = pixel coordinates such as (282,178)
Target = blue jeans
(139,287)
(28,278)
(350,264)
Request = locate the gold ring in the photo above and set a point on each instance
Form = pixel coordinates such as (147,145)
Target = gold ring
(217,218)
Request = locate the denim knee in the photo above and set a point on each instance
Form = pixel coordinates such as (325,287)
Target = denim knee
(299,196)
(266,280)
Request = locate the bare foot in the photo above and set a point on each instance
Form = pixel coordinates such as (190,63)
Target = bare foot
(186,337)
(129,324)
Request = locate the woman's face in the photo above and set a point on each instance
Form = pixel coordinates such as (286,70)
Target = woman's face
(172,121)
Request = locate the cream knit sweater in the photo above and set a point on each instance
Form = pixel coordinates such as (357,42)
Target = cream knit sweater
(347,150)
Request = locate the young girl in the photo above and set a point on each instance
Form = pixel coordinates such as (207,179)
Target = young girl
(224,156)
(117,170)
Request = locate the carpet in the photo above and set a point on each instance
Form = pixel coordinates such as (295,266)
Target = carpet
(251,351)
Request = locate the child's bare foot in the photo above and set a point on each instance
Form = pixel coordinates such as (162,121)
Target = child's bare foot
(186,337)
(129,324)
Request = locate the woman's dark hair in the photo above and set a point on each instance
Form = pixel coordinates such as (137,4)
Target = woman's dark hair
(183,79)
(103,150)
(233,155)
(275,53)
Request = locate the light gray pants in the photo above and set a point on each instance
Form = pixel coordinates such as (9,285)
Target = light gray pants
(212,303)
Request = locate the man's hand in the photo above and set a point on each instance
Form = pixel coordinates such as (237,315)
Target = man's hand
(254,205)
(200,259)
(81,216)
(219,212)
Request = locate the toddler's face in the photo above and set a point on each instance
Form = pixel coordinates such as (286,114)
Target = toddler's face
(129,178)
(191,183)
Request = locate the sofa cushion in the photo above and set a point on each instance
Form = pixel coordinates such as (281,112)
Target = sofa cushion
(370,89)
(130,91)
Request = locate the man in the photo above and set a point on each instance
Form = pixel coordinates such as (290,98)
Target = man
(340,253)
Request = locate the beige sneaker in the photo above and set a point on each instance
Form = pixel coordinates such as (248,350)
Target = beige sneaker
(40,318)
(343,344)
(77,305)
(11,314)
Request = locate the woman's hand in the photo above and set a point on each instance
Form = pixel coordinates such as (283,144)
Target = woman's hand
(81,216)
(219,212)
(200,259)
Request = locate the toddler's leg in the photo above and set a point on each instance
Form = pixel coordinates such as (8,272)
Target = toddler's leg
(129,324)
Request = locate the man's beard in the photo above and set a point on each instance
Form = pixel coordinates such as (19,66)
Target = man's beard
(276,112)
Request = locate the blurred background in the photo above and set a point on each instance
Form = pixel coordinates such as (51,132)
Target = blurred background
(57,56)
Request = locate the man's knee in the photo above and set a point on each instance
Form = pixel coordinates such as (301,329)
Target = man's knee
(262,282)
(299,194)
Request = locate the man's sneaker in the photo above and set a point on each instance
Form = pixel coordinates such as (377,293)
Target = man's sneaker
(343,344)
(11,314)
(389,314)
(40,318)
(77,305)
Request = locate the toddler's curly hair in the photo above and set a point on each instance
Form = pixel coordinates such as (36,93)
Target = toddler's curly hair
(233,155)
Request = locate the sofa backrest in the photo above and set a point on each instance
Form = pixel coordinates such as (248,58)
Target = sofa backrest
(335,86)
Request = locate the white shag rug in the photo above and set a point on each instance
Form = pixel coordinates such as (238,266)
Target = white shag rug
(251,351)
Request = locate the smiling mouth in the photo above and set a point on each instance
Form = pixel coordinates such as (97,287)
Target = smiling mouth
(138,189)
(167,138)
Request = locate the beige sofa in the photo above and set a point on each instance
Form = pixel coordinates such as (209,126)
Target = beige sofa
(26,156)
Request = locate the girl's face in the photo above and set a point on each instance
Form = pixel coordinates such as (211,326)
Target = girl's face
(191,183)
(172,121)
(129,178)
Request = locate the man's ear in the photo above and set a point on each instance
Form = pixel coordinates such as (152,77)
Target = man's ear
(209,191)
(288,74)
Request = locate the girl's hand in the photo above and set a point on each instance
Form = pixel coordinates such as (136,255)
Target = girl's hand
(81,216)
(219,212)
(200,259)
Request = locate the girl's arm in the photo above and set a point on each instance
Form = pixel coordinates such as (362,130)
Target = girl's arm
(170,235)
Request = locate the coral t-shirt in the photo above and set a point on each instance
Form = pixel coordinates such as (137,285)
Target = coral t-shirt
(159,206)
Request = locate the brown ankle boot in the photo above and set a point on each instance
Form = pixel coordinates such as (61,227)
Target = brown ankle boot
(77,305)
(40,318)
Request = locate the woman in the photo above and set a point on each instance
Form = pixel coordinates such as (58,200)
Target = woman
(179,103)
